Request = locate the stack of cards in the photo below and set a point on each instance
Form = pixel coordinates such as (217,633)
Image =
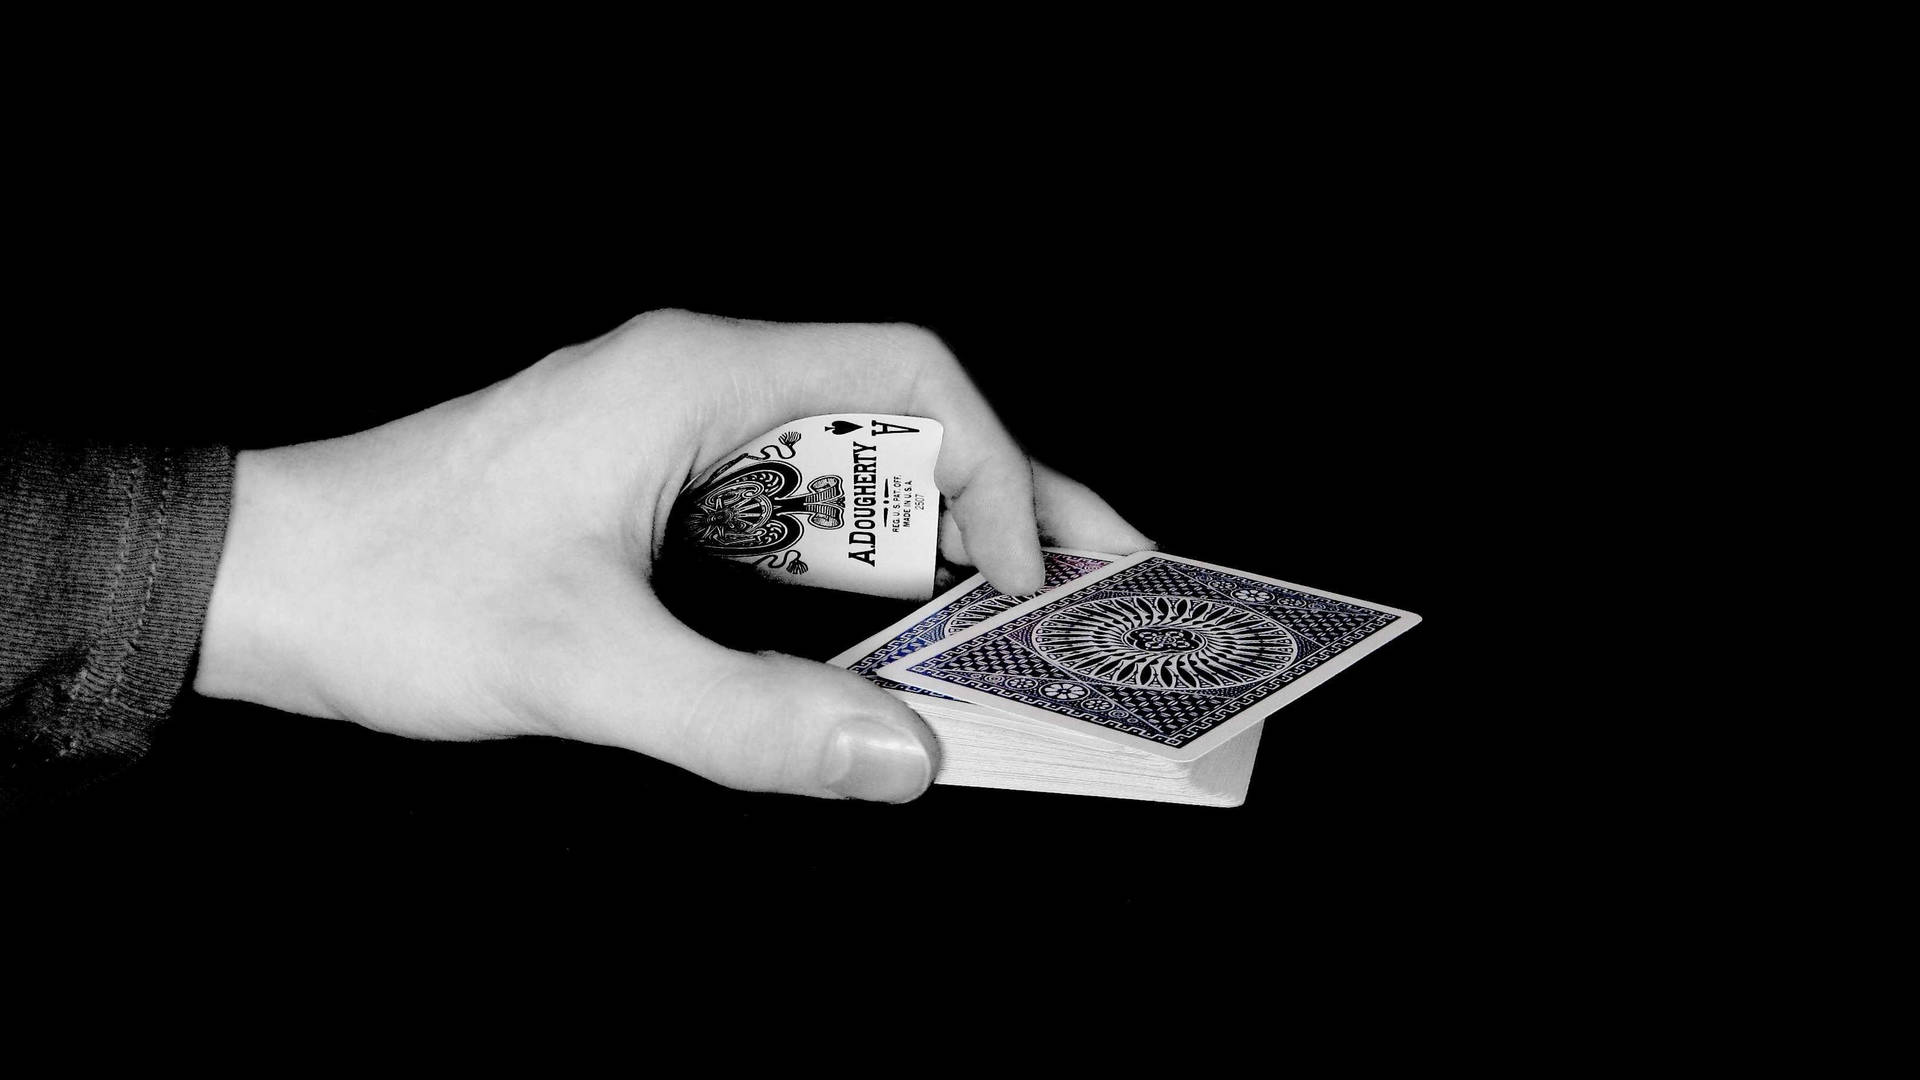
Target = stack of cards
(1145,677)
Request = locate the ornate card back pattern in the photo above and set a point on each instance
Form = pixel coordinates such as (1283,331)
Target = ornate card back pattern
(1163,650)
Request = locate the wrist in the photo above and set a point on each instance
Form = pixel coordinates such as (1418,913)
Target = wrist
(246,648)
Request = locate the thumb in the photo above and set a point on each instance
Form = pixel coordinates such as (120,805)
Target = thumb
(778,723)
(763,722)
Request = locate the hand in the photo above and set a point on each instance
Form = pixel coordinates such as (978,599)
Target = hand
(482,569)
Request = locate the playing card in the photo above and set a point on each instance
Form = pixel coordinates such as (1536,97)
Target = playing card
(1154,652)
(966,604)
(843,501)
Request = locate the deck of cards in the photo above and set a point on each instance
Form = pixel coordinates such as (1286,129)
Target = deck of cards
(1144,677)
(1147,676)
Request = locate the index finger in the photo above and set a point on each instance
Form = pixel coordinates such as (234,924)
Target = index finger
(983,474)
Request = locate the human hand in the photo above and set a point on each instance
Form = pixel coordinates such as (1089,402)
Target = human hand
(482,569)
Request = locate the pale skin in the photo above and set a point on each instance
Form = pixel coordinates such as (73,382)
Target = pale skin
(483,569)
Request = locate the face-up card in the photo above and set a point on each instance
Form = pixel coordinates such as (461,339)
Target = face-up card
(967,604)
(844,501)
(1155,652)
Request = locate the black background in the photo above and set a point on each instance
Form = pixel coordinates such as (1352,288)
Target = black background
(1256,372)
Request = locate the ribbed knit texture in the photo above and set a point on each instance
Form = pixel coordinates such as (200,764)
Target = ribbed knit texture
(107,561)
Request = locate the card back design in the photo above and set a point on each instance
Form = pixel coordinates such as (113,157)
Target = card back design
(1161,651)
(974,605)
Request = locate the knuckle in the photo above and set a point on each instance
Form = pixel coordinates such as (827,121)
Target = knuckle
(677,328)
(905,352)
(918,341)
(664,319)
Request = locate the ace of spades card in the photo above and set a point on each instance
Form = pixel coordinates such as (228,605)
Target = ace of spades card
(841,501)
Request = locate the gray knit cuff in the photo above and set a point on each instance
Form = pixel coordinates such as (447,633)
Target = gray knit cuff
(109,555)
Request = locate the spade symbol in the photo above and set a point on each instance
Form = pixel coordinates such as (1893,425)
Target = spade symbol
(841,427)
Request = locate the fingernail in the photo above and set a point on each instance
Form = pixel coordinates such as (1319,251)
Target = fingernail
(871,760)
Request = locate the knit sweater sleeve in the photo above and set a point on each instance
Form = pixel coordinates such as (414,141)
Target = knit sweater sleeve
(107,561)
